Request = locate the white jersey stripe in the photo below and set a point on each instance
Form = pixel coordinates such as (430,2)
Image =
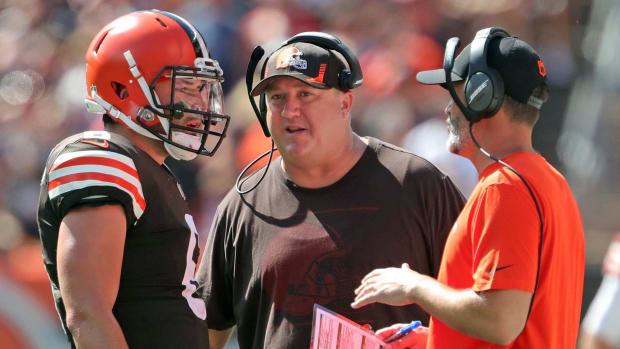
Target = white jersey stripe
(71,170)
(98,153)
(75,185)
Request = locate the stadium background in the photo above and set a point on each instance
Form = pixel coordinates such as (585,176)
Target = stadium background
(42,45)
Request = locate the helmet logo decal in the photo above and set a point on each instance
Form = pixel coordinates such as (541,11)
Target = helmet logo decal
(541,68)
(291,57)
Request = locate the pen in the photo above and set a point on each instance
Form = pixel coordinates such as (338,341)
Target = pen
(403,331)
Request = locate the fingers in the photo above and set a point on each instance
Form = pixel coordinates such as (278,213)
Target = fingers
(363,294)
(385,332)
(361,301)
(368,281)
(374,276)
(366,287)
(362,285)
(359,288)
(376,273)
(377,285)
(371,275)
(415,339)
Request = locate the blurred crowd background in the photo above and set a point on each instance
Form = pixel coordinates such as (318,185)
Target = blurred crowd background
(42,46)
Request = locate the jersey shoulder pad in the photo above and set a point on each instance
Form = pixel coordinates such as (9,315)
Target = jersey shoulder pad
(92,166)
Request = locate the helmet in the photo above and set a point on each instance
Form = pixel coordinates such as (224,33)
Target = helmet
(151,71)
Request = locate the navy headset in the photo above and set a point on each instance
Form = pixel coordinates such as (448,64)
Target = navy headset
(348,79)
(484,94)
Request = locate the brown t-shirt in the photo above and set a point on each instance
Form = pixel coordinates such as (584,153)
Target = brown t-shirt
(273,253)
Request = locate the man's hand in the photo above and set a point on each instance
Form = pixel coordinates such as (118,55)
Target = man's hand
(496,316)
(415,339)
(392,286)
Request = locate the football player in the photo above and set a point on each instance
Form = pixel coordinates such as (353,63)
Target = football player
(119,243)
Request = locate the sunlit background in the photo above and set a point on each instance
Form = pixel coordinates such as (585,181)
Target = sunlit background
(42,45)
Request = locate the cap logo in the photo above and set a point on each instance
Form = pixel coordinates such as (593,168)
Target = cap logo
(291,57)
(321,77)
(541,68)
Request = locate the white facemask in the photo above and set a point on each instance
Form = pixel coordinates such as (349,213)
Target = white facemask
(190,141)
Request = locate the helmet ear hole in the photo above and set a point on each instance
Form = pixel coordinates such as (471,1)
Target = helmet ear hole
(161,22)
(120,90)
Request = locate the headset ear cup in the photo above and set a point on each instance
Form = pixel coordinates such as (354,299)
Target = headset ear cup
(478,92)
(484,92)
(498,93)
(484,87)
(345,80)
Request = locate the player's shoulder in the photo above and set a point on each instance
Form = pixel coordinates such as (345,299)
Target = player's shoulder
(92,166)
(94,140)
(92,147)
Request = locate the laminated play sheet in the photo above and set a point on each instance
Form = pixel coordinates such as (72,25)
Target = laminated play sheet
(331,330)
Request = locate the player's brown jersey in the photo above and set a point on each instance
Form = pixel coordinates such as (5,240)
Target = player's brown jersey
(155,306)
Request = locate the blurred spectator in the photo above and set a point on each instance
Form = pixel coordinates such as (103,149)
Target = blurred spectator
(27,314)
(600,326)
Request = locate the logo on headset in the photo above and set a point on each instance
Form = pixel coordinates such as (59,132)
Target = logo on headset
(291,57)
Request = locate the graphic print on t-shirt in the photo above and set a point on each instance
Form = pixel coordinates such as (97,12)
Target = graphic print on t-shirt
(315,270)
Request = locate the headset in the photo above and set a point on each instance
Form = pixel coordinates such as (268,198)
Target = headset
(484,86)
(484,94)
(348,79)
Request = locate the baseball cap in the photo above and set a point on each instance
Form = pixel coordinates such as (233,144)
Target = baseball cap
(519,65)
(309,63)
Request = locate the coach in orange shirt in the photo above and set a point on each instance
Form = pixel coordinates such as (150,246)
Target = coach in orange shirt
(511,274)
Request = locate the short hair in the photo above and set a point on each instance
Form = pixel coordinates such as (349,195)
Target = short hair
(523,112)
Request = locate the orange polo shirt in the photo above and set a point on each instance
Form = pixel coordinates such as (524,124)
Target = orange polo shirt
(494,245)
